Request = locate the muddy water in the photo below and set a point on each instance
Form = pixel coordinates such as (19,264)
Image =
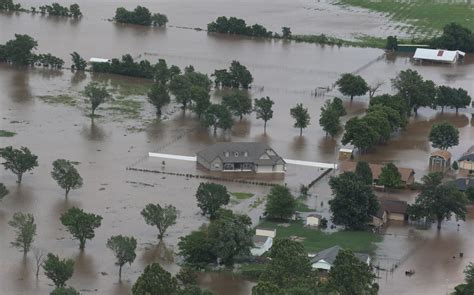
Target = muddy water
(285,71)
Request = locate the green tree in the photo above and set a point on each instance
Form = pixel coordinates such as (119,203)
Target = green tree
(159,97)
(161,217)
(416,92)
(230,235)
(263,109)
(354,203)
(66,175)
(75,10)
(443,135)
(392,43)
(239,103)
(470,193)
(240,76)
(266,288)
(352,85)
(217,116)
(155,280)
(58,270)
(391,115)
(466,288)
(25,229)
(124,250)
(210,197)
(97,95)
(187,276)
(180,87)
(364,172)
(289,267)
(18,161)
(438,201)
(196,248)
(65,291)
(360,134)
(3,191)
(444,95)
(79,63)
(159,19)
(80,224)
(201,100)
(286,32)
(349,275)
(337,105)
(455,37)
(329,120)
(301,116)
(280,203)
(395,102)
(18,50)
(380,123)
(460,99)
(390,176)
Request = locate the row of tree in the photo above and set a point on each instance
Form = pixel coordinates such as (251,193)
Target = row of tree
(237,26)
(140,16)
(235,77)
(54,9)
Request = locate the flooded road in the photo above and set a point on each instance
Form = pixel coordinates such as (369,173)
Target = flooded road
(287,72)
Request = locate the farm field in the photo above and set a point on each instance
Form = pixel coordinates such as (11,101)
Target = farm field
(427,17)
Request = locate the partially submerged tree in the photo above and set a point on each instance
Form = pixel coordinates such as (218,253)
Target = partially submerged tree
(161,217)
(97,95)
(443,135)
(354,203)
(40,256)
(66,175)
(158,96)
(390,176)
(58,270)
(3,191)
(466,288)
(25,229)
(80,224)
(210,197)
(301,116)
(155,280)
(201,100)
(280,204)
(19,50)
(352,85)
(329,120)
(360,134)
(217,116)
(349,275)
(79,63)
(124,250)
(64,291)
(18,161)
(239,103)
(263,110)
(437,201)
(416,92)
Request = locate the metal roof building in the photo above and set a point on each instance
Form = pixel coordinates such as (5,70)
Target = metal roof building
(438,55)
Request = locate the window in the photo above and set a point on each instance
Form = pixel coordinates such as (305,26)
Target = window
(226,154)
(217,166)
(246,154)
(236,154)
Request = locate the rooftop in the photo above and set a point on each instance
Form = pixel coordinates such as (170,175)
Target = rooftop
(350,166)
(437,54)
(241,152)
(443,154)
(329,255)
(469,155)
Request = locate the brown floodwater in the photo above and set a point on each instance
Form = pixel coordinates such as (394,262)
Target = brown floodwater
(288,72)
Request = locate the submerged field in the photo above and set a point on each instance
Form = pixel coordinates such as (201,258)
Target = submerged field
(427,17)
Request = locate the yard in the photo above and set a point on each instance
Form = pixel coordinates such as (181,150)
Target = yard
(428,17)
(315,240)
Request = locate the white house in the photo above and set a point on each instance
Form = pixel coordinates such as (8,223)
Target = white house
(324,260)
(438,55)
(263,241)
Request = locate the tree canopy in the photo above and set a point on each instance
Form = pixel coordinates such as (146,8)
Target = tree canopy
(18,161)
(280,204)
(66,175)
(466,288)
(416,91)
(140,16)
(301,116)
(217,116)
(390,176)
(364,172)
(354,203)
(352,85)
(80,224)
(97,95)
(25,229)
(264,111)
(443,135)
(58,270)
(80,64)
(124,250)
(210,197)
(158,96)
(455,37)
(239,103)
(161,217)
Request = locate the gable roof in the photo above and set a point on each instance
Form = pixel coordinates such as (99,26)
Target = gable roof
(443,154)
(437,54)
(246,152)
(469,155)
(350,166)
(329,255)
(463,183)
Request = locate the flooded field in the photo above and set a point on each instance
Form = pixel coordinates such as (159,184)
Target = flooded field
(285,71)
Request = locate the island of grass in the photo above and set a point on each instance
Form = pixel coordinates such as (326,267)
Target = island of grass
(5,133)
(428,16)
(242,195)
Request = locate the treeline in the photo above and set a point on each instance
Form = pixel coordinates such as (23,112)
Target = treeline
(140,16)
(19,52)
(237,26)
(389,113)
(54,9)
(454,37)
(236,76)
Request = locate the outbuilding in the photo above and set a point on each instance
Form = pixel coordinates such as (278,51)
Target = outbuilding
(440,160)
(324,260)
(262,241)
(438,55)
(98,60)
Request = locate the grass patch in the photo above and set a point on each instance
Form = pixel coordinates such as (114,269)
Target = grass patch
(242,196)
(257,203)
(128,107)
(425,14)
(315,240)
(302,207)
(59,99)
(252,270)
(125,89)
(5,133)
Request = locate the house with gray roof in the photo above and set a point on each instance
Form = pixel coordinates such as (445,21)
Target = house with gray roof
(466,163)
(241,157)
(324,259)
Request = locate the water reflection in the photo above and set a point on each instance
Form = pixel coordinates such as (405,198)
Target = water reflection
(85,267)
(78,77)
(93,132)
(20,90)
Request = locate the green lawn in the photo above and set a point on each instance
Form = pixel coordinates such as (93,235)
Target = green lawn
(427,16)
(5,133)
(242,196)
(316,240)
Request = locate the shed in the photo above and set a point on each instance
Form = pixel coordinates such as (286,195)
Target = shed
(98,60)
(313,219)
(266,232)
(345,153)
(438,55)
(440,160)
(466,163)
